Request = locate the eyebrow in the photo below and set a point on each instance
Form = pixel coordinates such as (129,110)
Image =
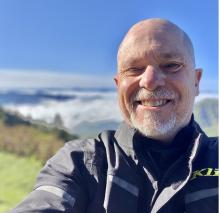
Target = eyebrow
(161,55)
(173,55)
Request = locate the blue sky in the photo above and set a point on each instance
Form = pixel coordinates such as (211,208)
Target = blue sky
(72,37)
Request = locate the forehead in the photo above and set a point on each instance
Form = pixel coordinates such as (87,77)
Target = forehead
(162,46)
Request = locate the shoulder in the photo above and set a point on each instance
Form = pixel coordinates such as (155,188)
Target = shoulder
(208,151)
(89,145)
(80,152)
(74,159)
(209,144)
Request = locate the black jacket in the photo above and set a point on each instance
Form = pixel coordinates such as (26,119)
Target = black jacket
(106,175)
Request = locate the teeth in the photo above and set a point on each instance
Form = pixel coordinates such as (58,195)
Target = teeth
(154,103)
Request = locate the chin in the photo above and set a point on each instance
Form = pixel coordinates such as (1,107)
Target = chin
(154,127)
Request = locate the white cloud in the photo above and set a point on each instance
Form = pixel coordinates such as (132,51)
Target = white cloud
(38,79)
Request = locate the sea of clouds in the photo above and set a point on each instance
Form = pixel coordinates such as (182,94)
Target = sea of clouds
(74,106)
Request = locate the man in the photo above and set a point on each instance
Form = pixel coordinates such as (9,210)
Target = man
(159,160)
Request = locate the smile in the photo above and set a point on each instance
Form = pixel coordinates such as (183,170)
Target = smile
(153,103)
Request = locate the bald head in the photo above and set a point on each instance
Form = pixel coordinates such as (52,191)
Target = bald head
(159,29)
(157,81)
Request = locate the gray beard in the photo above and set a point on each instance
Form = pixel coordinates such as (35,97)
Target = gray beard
(152,126)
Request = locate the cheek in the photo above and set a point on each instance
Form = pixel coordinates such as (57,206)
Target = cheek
(126,89)
(183,84)
(185,96)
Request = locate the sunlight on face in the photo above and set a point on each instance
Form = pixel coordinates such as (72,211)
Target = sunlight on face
(157,81)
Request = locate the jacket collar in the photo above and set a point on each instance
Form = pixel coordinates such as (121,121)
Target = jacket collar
(125,135)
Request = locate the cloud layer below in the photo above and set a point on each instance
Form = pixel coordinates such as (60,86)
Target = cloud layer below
(41,79)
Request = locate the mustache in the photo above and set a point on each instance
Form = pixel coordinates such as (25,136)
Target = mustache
(160,93)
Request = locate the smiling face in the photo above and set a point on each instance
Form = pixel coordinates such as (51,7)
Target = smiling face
(156,79)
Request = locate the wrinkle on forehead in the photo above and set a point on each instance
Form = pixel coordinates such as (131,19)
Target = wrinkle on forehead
(155,32)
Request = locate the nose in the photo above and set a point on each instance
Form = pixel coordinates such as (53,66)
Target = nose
(152,78)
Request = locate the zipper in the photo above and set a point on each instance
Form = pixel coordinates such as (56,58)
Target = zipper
(150,174)
(153,182)
(170,171)
(167,174)
(158,204)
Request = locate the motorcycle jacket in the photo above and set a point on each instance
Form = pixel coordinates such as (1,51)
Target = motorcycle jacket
(107,174)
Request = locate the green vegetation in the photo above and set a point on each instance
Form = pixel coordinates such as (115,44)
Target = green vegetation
(25,139)
(24,149)
(212,131)
(17,177)
(206,114)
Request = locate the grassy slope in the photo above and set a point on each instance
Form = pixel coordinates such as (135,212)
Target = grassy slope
(30,142)
(17,177)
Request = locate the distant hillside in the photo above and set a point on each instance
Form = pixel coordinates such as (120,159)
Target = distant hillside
(206,114)
(26,139)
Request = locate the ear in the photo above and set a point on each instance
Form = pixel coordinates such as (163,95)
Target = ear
(198,76)
(116,80)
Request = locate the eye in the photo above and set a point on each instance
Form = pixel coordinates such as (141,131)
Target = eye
(171,66)
(132,71)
